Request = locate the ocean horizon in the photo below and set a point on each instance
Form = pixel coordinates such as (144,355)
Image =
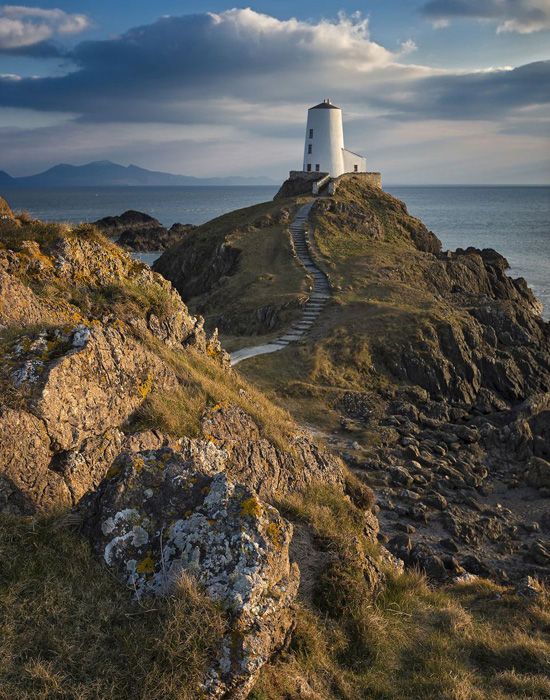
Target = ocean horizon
(512,219)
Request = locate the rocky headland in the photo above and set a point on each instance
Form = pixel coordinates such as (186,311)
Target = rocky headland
(115,403)
(139,232)
(378,528)
(433,367)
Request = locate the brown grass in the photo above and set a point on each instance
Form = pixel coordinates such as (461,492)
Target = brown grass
(414,642)
(70,631)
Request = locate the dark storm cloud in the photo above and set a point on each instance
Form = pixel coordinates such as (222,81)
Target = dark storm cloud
(523,16)
(483,95)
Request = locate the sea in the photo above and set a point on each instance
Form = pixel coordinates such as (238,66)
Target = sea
(514,220)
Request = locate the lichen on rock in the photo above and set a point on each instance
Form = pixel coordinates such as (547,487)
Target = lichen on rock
(153,522)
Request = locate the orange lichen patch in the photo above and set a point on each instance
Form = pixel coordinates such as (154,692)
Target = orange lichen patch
(144,389)
(275,534)
(138,463)
(210,438)
(211,521)
(146,565)
(218,406)
(251,507)
(33,251)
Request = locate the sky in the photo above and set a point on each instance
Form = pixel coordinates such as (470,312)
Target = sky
(432,91)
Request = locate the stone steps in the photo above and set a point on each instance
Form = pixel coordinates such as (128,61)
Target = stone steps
(314,305)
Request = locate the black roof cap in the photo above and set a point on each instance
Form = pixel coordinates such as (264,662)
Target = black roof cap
(325,104)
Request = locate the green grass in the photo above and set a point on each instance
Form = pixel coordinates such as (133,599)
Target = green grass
(70,631)
(402,639)
(264,273)
(473,641)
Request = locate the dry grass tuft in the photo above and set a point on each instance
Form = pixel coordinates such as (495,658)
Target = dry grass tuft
(467,641)
(70,631)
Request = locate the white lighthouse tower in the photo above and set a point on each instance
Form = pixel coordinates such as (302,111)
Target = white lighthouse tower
(324,147)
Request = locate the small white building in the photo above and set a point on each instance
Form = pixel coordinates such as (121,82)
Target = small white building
(324,149)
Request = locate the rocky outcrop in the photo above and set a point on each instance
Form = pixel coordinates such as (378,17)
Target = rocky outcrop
(89,336)
(439,363)
(297,184)
(5,210)
(266,467)
(134,230)
(499,347)
(361,213)
(154,239)
(158,517)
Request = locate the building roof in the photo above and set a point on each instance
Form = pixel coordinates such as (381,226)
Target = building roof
(325,104)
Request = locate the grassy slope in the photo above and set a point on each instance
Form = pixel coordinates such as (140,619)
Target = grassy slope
(466,641)
(203,381)
(267,273)
(68,629)
(472,641)
(380,299)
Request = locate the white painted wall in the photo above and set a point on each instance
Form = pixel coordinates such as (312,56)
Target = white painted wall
(351,160)
(327,143)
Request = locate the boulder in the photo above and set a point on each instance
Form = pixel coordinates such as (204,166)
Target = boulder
(538,472)
(269,469)
(86,382)
(159,516)
(26,481)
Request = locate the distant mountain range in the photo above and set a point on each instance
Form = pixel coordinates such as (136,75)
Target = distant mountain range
(104,173)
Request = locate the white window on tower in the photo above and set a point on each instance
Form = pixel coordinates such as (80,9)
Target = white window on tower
(317,167)
(310,149)
(356,168)
(311,133)
(309,167)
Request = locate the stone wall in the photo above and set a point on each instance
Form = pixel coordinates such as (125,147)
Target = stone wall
(300,182)
(373,179)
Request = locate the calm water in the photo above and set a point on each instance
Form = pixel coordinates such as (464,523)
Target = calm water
(513,220)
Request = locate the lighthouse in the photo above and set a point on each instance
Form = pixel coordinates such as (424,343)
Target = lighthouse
(324,149)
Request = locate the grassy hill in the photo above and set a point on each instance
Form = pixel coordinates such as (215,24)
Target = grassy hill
(415,356)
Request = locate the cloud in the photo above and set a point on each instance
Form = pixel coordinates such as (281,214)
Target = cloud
(407,47)
(179,92)
(22,26)
(486,94)
(169,69)
(522,16)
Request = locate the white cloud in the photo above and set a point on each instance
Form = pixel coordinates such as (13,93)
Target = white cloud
(22,26)
(521,16)
(407,47)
